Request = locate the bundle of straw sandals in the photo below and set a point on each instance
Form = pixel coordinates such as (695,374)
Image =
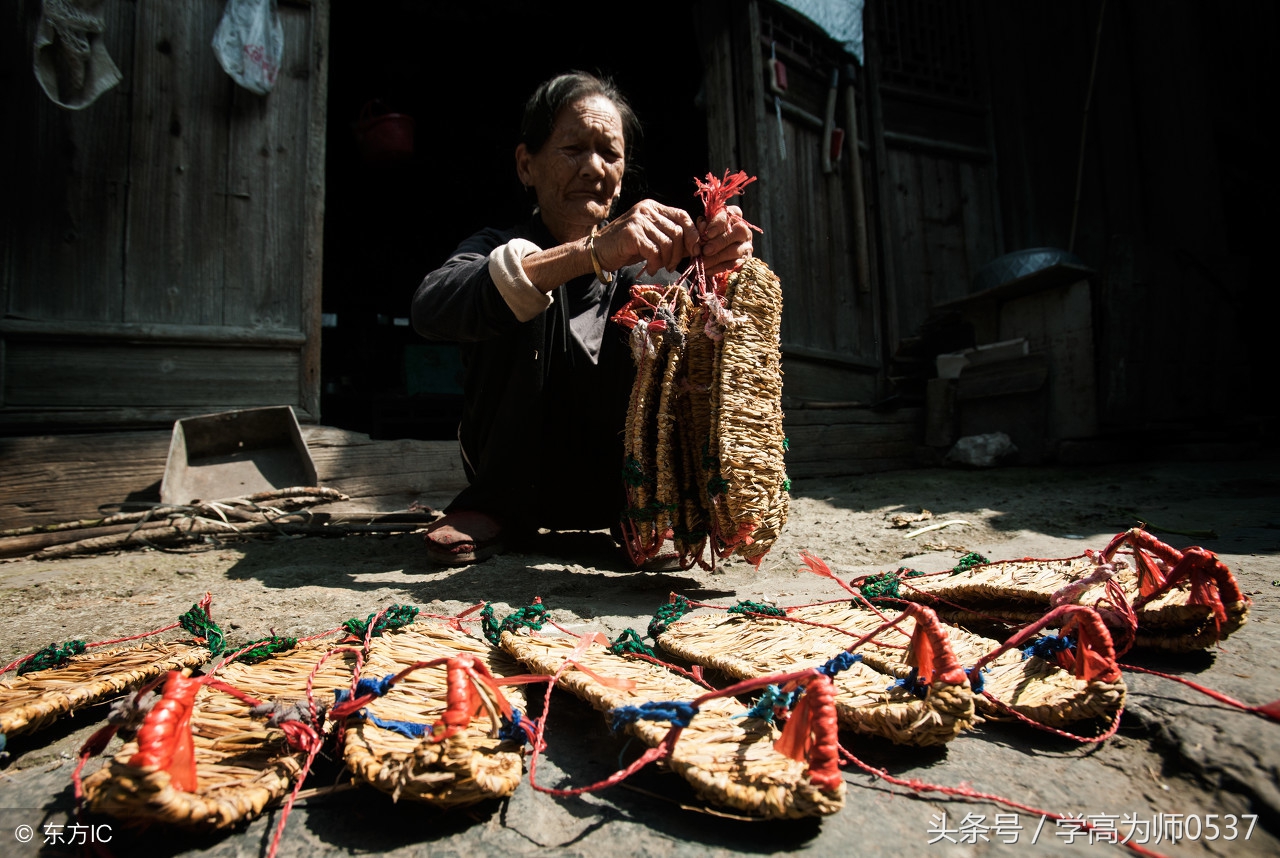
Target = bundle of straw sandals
(704,442)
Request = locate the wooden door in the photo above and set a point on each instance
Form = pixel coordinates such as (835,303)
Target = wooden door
(807,202)
(932,134)
(162,246)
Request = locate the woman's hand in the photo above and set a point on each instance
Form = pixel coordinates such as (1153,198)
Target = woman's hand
(649,232)
(726,240)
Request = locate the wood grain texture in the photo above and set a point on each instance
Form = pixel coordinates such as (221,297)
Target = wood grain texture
(56,478)
(177,168)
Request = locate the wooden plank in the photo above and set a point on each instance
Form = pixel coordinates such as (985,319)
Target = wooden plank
(185,334)
(49,479)
(97,375)
(756,153)
(885,237)
(978,218)
(68,477)
(826,443)
(715,43)
(798,417)
(64,211)
(1059,323)
(266,175)
(313,201)
(359,467)
(911,254)
(178,168)
(808,381)
(848,467)
(946,237)
(1024,375)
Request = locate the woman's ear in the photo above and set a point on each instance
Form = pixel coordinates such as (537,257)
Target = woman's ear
(522,165)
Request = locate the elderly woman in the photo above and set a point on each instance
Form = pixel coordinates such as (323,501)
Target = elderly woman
(547,376)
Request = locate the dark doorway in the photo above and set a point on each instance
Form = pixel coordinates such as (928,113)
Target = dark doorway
(463,72)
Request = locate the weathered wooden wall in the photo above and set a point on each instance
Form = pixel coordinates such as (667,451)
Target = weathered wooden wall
(936,179)
(161,247)
(830,322)
(1174,211)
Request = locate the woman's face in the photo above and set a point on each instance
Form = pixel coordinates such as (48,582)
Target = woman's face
(577,174)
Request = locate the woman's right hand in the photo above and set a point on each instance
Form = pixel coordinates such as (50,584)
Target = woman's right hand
(649,232)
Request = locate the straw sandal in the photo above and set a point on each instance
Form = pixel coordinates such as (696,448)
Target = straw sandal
(229,764)
(420,739)
(464,537)
(1181,600)
(735,762)
(1012,683)
(907,702)
(35,700)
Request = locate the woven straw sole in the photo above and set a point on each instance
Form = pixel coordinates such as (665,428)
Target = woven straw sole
(1018,592)
(756,646)
(462,769)
(730,762)
(37,699)
(242,765)
(747,647)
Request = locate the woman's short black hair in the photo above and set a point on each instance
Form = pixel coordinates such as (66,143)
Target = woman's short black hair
(552,96)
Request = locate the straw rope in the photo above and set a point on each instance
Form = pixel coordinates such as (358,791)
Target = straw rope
(729,761)
(242,765)
(464,768)
(33,700)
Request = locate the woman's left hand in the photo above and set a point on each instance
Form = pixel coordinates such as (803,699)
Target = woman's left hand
(725,240)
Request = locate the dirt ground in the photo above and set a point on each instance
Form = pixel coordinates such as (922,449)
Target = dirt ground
(1178,760)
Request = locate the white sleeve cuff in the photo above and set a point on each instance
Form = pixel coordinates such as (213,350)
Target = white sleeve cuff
(524,299)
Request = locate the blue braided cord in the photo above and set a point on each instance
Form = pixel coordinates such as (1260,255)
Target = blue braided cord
(1047,647)
(976,682)
(843,661)
(409,729)
(510,731)
(375,686)
(341,695)
(910,683)
(678,713)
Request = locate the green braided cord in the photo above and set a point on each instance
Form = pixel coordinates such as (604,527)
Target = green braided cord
(710,462)
(786,484)
(786,444)
(629,643)
(531,617)
(54,655)
(969,561)
(396,617)
(746,606)
(668,614)
(886,586)
(198,622)
(264,648)
(631,473)
(488,625)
